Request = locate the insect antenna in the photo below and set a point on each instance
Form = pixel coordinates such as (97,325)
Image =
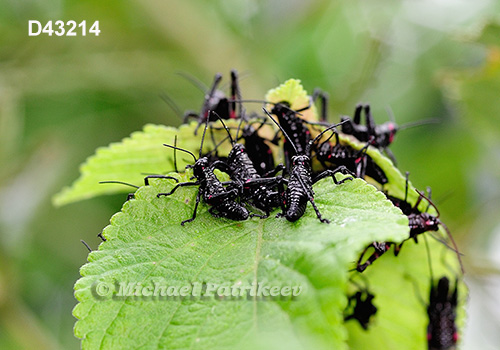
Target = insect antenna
(390,113)
(429,260)
(225,127)
(429,194)
(239,124)
(421,194)
(331,127)
(86,245)
(118,182)
(195,81)
(181,149)
(283,131)
(418,123)
(454,246)
(171,104)
(446,229)
(204,132)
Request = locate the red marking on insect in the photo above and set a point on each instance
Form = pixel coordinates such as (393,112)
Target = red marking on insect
(232,115)
(393,132)
(455,337)
(357,160)
(428,222)
(429,336)
(210,197)
(269,151)
(329,156)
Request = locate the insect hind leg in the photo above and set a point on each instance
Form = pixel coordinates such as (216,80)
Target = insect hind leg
(341,169)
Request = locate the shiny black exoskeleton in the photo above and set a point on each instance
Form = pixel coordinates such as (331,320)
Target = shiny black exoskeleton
(295,128)
(442,331)
(357,161)
(258,191)
(363,309)
(217,103)
(418,222)
(381,136)
(299,189)
(379,249)
(257,149)
(222,200)
(334,155)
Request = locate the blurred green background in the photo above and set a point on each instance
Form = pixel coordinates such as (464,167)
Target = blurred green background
(62,97)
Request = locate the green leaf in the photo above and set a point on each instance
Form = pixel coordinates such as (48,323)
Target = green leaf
(129,160)
(293,92)
(146,243)
(401,287)
(396,181)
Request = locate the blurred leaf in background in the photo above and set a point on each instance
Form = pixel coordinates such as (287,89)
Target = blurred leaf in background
(62,97)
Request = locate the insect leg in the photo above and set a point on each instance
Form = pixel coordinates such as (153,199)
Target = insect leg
(323,96)
(310,198)
(273,172)
(198,197)
(214,214)
(341,169)
(230,195)
(370,123)
(357,114)
(235,94)
(182,184)
(380,248)
(220,165)
(281,191)
(391,156)
(318,214)
(146,179)
(189,114)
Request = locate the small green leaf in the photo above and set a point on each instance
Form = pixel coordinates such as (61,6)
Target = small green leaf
(146,243)
(129,160)
(293,92)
